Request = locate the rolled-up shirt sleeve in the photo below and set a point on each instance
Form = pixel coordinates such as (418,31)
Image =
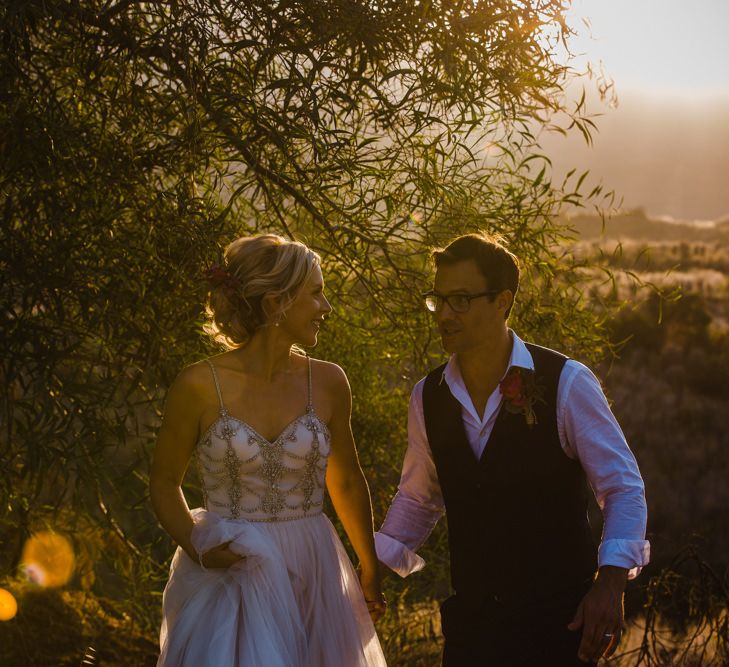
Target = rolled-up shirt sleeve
(418,503)
(590,432)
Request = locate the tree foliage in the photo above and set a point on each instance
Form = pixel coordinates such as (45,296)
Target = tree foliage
(138,138)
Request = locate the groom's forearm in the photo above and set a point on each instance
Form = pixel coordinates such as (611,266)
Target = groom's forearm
(407,525)
(409,521)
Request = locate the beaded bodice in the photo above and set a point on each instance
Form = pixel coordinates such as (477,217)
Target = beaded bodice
(246,476)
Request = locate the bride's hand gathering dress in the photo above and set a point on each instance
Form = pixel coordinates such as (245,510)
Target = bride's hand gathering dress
(294,600)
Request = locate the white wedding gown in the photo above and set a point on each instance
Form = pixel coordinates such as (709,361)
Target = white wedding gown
(294,600)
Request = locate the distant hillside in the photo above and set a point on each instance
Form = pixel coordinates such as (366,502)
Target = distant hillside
(636,225)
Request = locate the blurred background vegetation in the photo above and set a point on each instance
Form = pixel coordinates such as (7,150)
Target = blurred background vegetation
(137,139)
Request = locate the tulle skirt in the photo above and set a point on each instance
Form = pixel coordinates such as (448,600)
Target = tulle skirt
(293,601)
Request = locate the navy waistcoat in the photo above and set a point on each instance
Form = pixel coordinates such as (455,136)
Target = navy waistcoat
(517,518)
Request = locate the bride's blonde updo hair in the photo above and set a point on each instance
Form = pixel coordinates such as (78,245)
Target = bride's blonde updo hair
(255,266)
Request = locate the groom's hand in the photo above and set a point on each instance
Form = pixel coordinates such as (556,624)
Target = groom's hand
(600,614)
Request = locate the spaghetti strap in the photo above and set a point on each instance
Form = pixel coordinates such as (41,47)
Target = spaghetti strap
(309,401)
(217,385)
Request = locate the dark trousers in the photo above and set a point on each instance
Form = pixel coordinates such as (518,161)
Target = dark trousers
(497,634)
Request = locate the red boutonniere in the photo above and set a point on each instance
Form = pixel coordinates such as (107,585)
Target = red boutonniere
(520,392)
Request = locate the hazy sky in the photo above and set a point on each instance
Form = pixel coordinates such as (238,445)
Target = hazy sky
(666,145)
(679,46)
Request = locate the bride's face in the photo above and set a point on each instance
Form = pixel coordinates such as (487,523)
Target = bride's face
(304,317)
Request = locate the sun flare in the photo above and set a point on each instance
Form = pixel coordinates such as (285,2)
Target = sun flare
(48,559)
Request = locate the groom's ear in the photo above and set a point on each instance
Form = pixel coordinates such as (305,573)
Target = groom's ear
(505,300)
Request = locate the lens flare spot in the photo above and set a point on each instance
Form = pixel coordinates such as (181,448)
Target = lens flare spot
(48,559)
(8,605)
(414,218)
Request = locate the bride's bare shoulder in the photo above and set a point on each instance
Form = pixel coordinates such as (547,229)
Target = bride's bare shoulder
(195,379)
(331,375)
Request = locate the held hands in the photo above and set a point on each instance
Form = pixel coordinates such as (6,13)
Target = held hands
(600,614)
(219,557)
(376,603)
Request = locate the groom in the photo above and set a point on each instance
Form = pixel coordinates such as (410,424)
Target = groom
(503,438)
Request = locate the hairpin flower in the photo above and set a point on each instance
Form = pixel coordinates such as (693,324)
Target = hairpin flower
(520,392)
(218,275)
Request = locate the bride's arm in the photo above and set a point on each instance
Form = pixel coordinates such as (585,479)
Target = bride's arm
(175,444)
(348,488)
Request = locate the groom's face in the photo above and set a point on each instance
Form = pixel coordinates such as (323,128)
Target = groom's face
(484,319)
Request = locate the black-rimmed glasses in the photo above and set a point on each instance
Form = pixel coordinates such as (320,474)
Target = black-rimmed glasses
(458,303)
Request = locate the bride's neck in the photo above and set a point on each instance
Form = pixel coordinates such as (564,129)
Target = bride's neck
(266,356)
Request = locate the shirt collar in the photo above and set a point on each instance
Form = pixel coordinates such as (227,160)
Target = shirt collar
(520,356)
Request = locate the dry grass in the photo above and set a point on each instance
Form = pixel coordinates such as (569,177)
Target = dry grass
(58,628)
(661,646)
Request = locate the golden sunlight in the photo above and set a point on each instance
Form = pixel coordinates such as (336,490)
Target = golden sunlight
(48,559)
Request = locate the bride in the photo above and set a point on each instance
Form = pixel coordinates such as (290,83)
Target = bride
(260,577)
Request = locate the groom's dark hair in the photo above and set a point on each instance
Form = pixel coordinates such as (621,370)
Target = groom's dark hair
(496,263)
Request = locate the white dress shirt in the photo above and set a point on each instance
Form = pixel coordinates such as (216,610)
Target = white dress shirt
(588,431)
